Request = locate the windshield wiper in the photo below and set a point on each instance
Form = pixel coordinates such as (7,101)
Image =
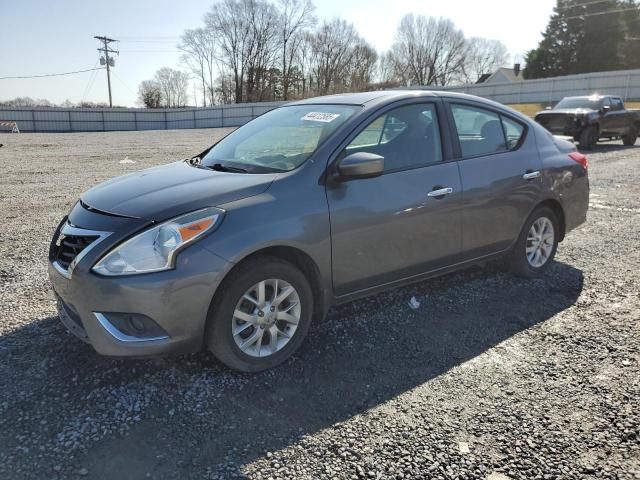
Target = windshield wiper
(219,167)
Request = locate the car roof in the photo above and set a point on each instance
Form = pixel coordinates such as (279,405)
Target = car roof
(592,97)
(383,96)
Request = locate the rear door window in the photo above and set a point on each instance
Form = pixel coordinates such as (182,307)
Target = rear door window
(480,131)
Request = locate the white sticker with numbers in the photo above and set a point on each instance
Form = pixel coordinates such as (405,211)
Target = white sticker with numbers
(321,117)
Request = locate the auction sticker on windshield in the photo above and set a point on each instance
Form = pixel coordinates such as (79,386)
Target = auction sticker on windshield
(321,117)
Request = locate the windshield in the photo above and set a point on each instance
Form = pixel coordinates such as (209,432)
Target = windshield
(579,102)
(277,141)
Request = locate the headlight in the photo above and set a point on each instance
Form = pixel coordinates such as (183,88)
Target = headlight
(154,249)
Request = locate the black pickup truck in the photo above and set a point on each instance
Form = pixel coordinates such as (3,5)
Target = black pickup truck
(589,119)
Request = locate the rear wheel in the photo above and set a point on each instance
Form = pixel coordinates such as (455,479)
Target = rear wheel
(588,138)
(260,316)
(537,244)
(630,138)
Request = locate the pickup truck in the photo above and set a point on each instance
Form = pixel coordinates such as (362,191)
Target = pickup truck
(589,119)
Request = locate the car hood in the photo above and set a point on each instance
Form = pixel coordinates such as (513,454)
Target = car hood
(163,192)
(566,111)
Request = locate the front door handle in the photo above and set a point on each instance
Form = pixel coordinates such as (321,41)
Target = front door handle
(441,192)
(531,175)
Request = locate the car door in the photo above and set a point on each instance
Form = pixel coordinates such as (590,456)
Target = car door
(394,226)
(608,118)
(620,119)
(501,177)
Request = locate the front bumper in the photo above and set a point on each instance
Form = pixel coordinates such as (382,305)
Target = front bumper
(176,300)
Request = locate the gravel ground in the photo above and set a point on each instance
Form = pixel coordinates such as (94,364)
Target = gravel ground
(491,377)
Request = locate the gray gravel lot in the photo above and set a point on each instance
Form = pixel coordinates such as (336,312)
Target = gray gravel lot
(492,377)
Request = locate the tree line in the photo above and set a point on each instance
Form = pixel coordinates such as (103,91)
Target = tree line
(29,102)
(587,36)
(259,50)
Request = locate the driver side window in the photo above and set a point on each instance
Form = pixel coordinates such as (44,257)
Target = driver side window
(407,137)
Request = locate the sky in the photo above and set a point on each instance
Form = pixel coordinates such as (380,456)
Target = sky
(40,37)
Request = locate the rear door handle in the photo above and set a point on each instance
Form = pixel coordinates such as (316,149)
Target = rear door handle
(441,192)
(531,175)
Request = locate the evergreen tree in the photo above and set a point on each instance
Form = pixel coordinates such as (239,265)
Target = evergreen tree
(586,36)
(630,51)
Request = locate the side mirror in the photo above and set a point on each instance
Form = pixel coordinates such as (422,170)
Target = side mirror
(360,165)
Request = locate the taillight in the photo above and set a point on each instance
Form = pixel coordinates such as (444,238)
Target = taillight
(580,158)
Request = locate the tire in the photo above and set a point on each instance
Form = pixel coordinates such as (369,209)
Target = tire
(519,262)
(588,138)
(230,301)
(630,138)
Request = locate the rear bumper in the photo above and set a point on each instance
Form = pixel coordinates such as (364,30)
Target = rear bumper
(177,301)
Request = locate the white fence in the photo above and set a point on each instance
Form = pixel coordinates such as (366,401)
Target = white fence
(112,119)
(625,83)
(549,90)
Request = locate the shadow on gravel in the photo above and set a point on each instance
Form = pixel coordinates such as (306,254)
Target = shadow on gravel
(364,354)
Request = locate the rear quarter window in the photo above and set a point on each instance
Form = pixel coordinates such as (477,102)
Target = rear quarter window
(513,131)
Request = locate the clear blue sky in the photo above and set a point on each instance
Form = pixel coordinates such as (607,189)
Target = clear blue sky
(39,36)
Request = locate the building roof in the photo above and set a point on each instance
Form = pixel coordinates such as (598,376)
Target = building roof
(503,74)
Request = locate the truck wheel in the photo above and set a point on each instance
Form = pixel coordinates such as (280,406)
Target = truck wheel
(588,138)
(630,138)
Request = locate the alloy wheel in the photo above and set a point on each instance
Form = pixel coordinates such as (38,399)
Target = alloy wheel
(266,318)
(540,242)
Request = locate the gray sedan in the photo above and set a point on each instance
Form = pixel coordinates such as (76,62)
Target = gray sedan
(321,201)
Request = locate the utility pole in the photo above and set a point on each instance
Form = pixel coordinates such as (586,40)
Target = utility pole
(108,61)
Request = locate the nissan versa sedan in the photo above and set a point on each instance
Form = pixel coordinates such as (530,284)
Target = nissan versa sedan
(239,248)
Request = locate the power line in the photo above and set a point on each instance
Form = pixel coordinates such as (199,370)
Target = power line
(149,37)
(620,10)
(123,83)
(151,41)
(52,74)
(583,4)
(90,83)
(152,51)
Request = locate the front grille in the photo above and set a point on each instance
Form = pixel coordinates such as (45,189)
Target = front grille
(556,122)
(70,246)
(66,247)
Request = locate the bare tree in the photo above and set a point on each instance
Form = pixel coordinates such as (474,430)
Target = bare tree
(228,23)
(428,51)
(150,94)
(483,56)
(262,48)
(199,49)
(295,17)
(246,39)
(304,61)
(363,66)
(173,85)
(332,53)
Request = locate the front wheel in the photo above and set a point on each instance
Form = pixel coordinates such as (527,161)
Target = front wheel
(630,138)
(537,244)
(260,315)
(588,138)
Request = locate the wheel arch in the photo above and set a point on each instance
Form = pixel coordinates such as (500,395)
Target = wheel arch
(558,209)
(299,259)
